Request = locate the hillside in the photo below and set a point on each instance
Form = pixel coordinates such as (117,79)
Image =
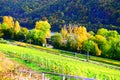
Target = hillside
(59,64)
(91,13)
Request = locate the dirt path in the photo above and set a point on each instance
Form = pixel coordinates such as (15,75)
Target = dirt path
(11,70)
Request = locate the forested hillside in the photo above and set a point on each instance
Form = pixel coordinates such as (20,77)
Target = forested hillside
(93,14)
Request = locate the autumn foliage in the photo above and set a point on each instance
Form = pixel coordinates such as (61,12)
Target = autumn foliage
(104,43)
(11,29)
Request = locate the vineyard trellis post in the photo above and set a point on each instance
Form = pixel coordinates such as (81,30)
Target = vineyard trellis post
(43,76)
(76,73)
(63,77)
(75,54)
(30,75)
(87,56)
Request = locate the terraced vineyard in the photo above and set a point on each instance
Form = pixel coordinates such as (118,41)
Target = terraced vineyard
(60,64)
(114,63)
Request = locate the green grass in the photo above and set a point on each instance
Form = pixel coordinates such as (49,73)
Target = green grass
(60,64)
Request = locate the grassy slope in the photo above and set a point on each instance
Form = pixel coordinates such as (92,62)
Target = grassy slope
(69,65)
(36,68)
(70,54)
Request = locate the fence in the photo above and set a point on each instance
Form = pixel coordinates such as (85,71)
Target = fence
(50,65)
(64,77)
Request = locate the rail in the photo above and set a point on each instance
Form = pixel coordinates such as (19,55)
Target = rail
(64,76)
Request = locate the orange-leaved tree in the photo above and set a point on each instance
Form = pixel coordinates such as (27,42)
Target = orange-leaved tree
(81,35)
(9,21)
(16,27)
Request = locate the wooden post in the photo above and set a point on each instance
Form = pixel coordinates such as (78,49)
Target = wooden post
(75,54)
(43,76)
(87,56)
(63,78)
(30,75)
(20,73)
(62,69)
(58,67)
(46,63)
(76,73)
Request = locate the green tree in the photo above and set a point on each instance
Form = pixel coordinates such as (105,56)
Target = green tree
(57,40)
(19,36)
(100,40)
(30,36)
(107,50)
(5,31)
(113,34)
(36,37)
(25,31)
(88,46)
(114,52)
(8,33)
(117,50)
(4,26)
(102,32)
(91,32)
(1,33)
(71,43)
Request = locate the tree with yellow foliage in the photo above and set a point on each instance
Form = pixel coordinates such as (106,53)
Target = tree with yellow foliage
(44,26)
(16,27)
(79,43)
(70,30)
(64,33)
(75,29)
(81,30)
(97,50)
(24,30)
(43,29)
(81,35)
(9,21)
(6,20)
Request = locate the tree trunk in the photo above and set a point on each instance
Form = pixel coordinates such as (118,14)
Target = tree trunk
(87,57)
